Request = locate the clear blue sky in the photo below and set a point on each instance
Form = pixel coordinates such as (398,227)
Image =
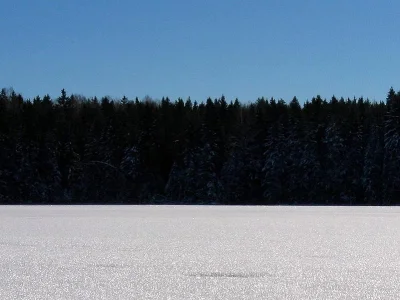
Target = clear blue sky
(180,48)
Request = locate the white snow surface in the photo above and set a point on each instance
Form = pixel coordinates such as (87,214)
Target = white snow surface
(199,252)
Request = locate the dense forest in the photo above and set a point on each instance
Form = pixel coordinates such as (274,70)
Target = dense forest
(77,150)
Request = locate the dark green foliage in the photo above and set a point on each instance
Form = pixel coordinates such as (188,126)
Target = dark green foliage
(78,150)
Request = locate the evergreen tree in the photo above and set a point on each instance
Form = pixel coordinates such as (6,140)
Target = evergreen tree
(391,165)
(85,150)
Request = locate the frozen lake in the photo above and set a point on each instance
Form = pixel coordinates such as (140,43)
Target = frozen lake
(199,252)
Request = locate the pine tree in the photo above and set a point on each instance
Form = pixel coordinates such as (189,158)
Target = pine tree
(391,165)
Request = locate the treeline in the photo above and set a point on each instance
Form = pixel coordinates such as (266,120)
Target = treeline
(75,150)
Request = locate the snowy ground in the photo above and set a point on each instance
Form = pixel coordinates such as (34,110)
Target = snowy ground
(199,252)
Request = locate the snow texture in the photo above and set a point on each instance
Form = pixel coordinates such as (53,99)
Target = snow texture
(199,252)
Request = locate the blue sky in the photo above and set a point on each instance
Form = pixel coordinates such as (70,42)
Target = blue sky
(203,48)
